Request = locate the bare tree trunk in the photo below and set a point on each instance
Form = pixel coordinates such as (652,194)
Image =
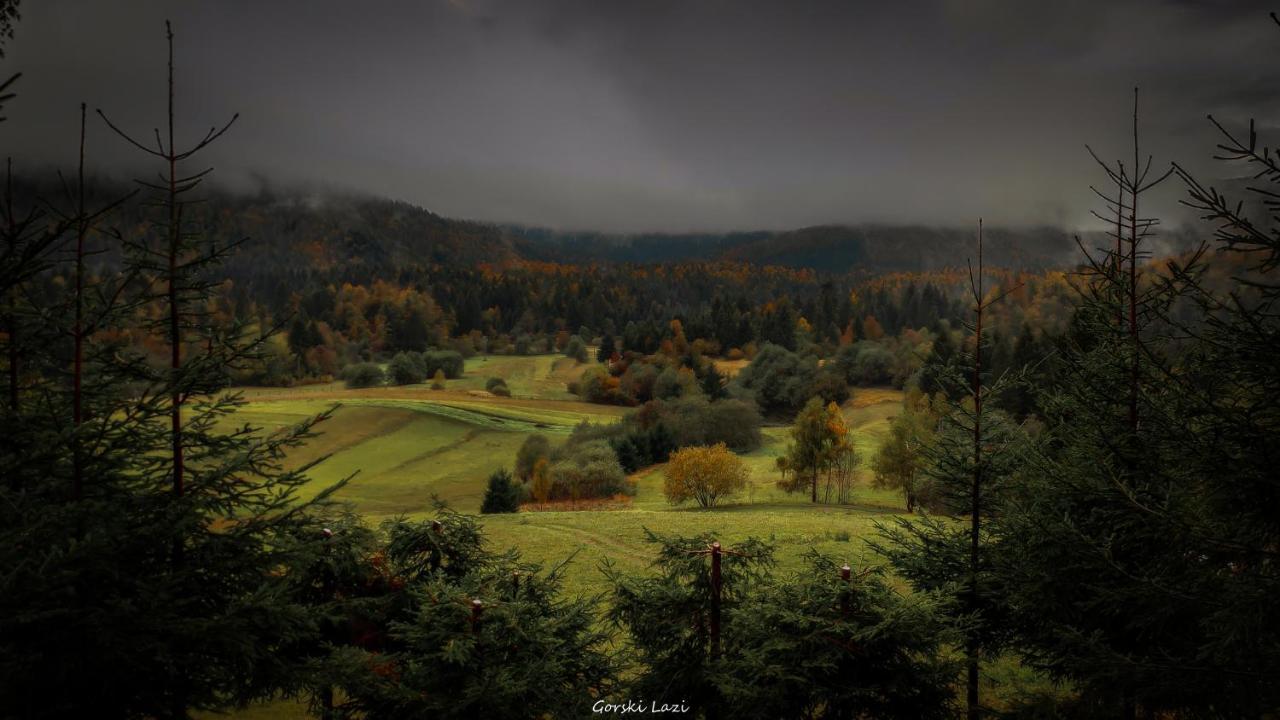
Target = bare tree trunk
(13,292)
(1133,275)
(175,328)
(713,712)
(1119,258)
(971,649)
(77,370)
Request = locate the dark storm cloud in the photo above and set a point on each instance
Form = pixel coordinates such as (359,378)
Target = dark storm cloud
(661,114)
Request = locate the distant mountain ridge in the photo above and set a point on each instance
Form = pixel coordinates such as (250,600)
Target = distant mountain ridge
(872,248)
(365,236)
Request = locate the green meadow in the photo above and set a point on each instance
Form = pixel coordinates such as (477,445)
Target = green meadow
(403,446)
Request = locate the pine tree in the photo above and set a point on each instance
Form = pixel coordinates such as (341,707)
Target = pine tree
(463,632)
(831,644)
(969,463)
(1154,503)
(714,628)
(713,383)
(674,618)
(501,495)
(607,349)
(160,586)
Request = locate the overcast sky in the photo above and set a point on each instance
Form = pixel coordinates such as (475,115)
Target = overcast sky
(658,114)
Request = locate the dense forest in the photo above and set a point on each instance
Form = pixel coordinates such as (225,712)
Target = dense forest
(376,278)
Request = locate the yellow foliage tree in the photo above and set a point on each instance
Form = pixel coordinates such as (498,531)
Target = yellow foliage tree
(703,474)
(540,481)
(821,446)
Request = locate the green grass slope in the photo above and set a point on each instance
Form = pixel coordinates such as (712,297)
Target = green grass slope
(405,445)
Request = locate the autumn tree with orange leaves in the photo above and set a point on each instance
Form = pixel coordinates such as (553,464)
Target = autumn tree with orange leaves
(821,449)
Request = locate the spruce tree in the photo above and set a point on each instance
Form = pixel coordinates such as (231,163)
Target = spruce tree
(462,632)
(831,644)
(146,562)
(1141,554)
(969,461)
(715,629)
(713,383)
(674,618)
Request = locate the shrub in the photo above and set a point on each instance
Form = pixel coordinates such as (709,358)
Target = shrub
(437,380)
(831,386)
(588,470)
(703,474)
(827,631)
(637,382)
(363,375)
(406,369)
(464,346)
(638,448)
(576,349)
(865,363)
(779,380)
(667,384)
(696,421)
(497,386)
(534,448)
(502,495)
(450,361)
(598,386)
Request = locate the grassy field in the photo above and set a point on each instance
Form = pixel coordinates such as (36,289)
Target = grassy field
(406,444)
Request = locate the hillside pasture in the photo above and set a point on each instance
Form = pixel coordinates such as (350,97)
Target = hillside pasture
(406,444)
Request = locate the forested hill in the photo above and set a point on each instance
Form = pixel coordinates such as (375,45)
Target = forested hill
(360,238)
(873,249)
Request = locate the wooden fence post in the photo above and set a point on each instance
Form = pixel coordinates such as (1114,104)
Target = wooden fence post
(326,692)
(844,594)
(435,550)
(713,712)
(715,600)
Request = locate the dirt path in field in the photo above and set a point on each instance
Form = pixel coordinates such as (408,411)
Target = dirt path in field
(596,540)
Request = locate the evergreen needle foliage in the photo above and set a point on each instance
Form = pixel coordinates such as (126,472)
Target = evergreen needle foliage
(819,644)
